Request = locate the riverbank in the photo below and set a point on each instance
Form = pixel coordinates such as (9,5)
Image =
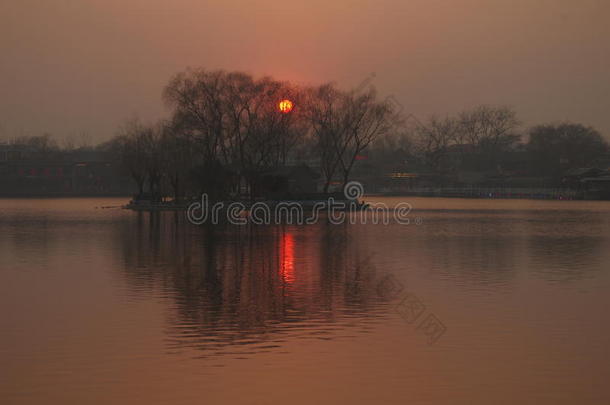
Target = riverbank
(306,205)
(499,193)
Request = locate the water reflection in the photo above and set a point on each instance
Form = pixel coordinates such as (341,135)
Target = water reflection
(493,247)
(567,247)
(114,305)
(251,287)
(239,290)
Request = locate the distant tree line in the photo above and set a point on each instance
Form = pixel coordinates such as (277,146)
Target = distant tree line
(225,131)
(491,139)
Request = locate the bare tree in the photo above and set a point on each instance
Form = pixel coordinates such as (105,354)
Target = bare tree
(344,125)
(327,115)
(434,139)
(177,159)
(197,99)
(366,120)
(43,144)
(235,122)
(131,146)
(489,126)
(154,159)
(490,131)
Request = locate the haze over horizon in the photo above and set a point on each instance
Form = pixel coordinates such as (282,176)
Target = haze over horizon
(72,67)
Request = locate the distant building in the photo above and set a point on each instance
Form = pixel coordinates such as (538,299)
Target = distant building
(597,188)
(593,182)
(28,172)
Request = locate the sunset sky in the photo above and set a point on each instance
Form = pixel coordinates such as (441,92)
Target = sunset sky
(74,66)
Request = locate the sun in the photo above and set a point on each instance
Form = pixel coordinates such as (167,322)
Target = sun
(285,106)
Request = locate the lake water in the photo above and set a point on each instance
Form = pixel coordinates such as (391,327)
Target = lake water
(474,302)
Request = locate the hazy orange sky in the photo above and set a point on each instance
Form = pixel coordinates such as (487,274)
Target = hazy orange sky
(74,66)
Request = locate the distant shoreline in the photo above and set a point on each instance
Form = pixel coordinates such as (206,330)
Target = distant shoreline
(487,194)
(64,195)
(499,193)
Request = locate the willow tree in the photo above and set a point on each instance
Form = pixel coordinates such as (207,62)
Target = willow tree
(130,145)
(434,138)
(344,124)
(234,121)
(367,119)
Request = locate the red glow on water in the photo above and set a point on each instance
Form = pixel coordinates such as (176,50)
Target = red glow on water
(287,258)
